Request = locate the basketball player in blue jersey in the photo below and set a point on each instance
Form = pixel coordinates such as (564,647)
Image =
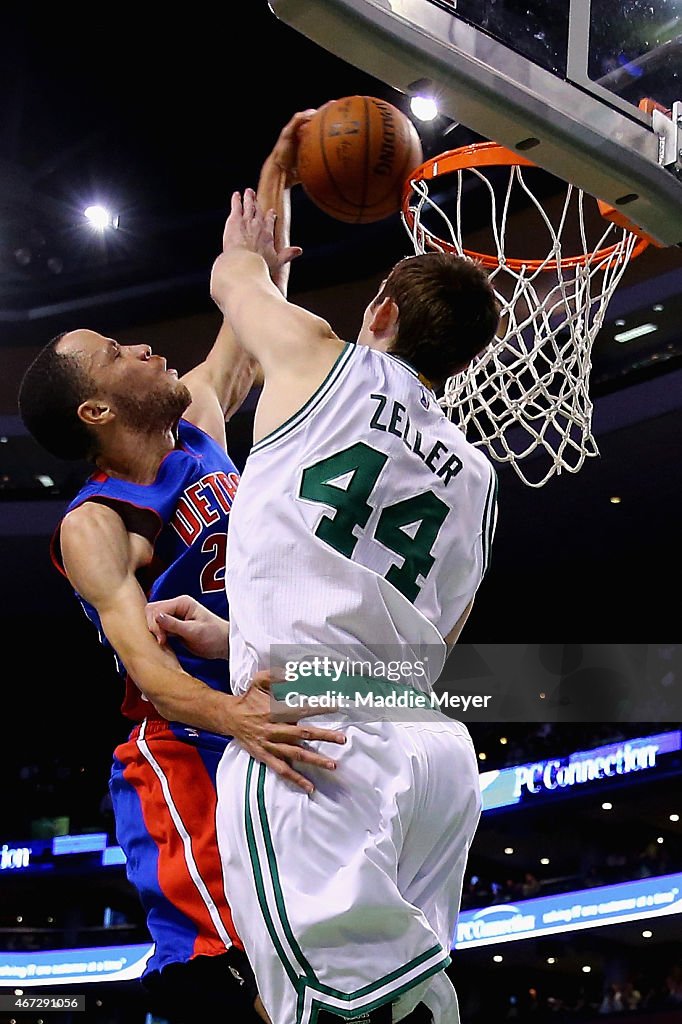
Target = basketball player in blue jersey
(363,520)
(152,521)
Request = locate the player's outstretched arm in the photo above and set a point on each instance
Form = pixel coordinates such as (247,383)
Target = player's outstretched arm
(285,338)
(222,381)
(100,559)
(277,177)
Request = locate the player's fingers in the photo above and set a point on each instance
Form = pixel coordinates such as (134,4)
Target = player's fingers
(292,127)
(301,117)
(156,631)
(287,733)
(235,214)
(182,607)
(177,627)
(307,711)
(151,615)
(285,771)
(266,677)
(296,753)
(269,224)
(250,207)
(289,254)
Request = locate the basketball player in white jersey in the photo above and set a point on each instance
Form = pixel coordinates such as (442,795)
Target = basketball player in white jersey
(363,519)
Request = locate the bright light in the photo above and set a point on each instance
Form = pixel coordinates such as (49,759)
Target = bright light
(660,839)
(424,108)
(647,935)
(544,860)
(586,969)
(498,959)
(607,807)
(615,500)
(658,308)
(45,480)
(482,756)
(635,332)
(551,960)
(674,817)
(503,740)
(509,850)
(619,323)
(98,217)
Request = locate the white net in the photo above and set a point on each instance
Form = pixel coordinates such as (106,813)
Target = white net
(526,398)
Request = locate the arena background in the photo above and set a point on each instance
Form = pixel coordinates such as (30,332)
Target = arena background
(162,122)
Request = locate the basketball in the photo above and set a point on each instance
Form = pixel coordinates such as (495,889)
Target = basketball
(354,156)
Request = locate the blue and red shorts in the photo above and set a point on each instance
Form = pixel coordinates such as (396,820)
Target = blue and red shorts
(163,792)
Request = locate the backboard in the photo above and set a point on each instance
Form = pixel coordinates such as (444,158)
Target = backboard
(558,80)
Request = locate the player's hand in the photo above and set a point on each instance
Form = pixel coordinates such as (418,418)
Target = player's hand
(277,744)
(285,152)
(250,228)
(202,632)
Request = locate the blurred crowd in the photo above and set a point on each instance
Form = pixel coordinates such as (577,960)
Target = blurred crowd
(652,860)
(639,993)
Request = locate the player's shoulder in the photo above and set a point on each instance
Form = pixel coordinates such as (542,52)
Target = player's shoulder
(91,519)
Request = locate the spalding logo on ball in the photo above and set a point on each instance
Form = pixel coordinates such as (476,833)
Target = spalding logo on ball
(354,156)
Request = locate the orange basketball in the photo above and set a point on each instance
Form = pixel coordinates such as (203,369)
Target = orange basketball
(354,156)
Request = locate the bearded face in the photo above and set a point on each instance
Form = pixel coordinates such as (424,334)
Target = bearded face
(135,385)
(156,410)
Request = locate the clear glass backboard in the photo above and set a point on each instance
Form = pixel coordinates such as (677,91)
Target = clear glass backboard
(559,80)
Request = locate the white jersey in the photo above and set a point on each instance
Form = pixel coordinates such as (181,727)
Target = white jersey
(365,520)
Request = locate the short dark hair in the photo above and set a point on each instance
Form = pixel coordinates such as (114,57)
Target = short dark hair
(448,312)
(51,390)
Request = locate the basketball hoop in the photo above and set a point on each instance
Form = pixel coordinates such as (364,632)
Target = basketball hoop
(528,393)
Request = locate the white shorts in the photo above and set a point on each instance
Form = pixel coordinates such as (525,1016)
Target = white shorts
(348,899)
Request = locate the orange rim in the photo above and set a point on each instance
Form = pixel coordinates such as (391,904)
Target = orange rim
(490,154)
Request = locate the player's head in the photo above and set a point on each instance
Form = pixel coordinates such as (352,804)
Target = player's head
(82,386)
(435,310)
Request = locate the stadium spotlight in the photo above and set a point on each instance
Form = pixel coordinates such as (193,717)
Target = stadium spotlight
(422,102)
(100,218)
(424,108)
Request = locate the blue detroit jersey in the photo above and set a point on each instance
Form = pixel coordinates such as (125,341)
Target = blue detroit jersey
(184,514)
